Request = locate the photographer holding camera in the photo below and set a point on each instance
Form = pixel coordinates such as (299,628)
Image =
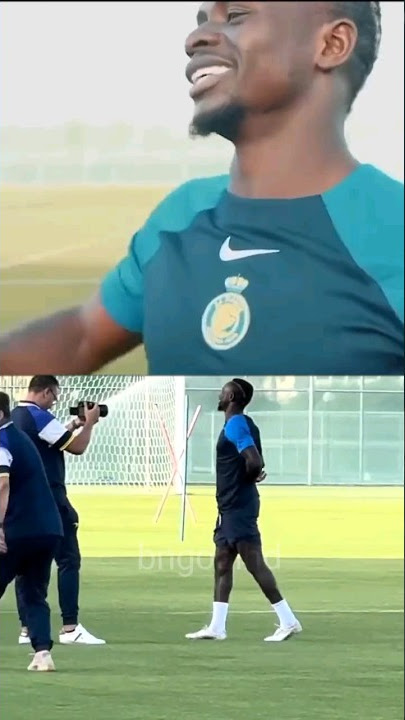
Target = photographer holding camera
(34,417)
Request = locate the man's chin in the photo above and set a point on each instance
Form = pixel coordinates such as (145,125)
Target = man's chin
(224,121)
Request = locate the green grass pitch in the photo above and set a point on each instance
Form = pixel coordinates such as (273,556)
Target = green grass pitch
(57,243)
(338,555)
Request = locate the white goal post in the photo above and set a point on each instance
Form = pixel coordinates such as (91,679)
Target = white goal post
(128,447)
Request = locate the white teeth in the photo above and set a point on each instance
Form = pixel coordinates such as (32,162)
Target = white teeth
(214,70)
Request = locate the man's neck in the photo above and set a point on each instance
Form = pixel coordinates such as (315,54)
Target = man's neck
(298,155)
(231,411)
(32,399)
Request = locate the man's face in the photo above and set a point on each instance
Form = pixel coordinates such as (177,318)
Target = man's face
(225,398)
(247,59)
(49,397)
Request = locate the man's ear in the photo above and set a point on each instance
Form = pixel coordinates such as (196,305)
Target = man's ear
(337,41)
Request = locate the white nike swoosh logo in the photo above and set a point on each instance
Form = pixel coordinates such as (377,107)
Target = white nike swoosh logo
(226,253)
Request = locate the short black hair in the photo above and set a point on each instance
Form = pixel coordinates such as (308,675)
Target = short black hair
(367,18)
(246,390)
(5,404)
(42,382)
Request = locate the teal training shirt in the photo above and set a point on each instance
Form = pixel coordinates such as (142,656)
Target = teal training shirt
(220,284)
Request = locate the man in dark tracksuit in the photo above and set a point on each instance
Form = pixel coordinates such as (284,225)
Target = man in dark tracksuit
(30,529)
(52,438)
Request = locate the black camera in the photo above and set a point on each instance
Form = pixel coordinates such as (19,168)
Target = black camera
(79,409)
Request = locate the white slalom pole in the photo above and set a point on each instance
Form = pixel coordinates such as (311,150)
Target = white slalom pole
(175,461)
(184,483)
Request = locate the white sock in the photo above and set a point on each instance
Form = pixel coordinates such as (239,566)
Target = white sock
(284,614)
(219,615)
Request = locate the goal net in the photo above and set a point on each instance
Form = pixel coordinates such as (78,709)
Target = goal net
(128,447)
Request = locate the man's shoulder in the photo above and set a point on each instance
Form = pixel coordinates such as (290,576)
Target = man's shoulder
(378,181)
(20,413)
(23,414)
(367,187)
(178,208)
(381,214)
(3,436)
(201,190)
(253,427)
(10,435)
(367,210)
(385,195)
(239,422)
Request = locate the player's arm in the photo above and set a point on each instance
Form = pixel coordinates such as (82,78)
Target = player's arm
(83,339)
(74,424)
(79,340)
(4,493)
(262,476)
(5,464)
(79,443)
(56,435)
(254,462)
(237,431)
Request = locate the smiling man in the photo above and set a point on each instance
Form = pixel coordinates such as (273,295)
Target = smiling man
(293,263)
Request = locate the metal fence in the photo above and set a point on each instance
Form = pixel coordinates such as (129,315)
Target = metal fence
(315,431)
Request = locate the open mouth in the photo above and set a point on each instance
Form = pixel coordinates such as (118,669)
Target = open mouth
(206,78)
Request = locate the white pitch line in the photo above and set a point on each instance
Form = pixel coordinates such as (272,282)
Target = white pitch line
(299,612)
(367,611)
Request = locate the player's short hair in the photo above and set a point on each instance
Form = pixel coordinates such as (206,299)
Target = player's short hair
(42,382)
(367,18)
(5,404)
(246,390)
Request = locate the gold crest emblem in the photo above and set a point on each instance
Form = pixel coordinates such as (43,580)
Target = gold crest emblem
(226,318)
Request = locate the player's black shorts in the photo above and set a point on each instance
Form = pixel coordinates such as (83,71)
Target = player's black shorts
(235,526)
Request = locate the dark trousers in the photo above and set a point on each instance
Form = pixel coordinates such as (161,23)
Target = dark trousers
(31,559)
(68,560)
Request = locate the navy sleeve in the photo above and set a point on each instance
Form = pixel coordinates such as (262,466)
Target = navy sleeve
(238,433)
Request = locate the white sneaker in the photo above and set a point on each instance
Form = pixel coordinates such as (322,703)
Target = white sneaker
(79,636)
(42,662)
(206,634)
(24,639)
(284,633)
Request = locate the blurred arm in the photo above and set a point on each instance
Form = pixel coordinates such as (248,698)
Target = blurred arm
(254,462)
(5,463)
(80,442)
(4,495)
(75,341)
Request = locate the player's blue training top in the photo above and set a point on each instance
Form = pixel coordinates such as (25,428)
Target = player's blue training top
(31,510)
(50,438)
(220,284)
(234,490)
